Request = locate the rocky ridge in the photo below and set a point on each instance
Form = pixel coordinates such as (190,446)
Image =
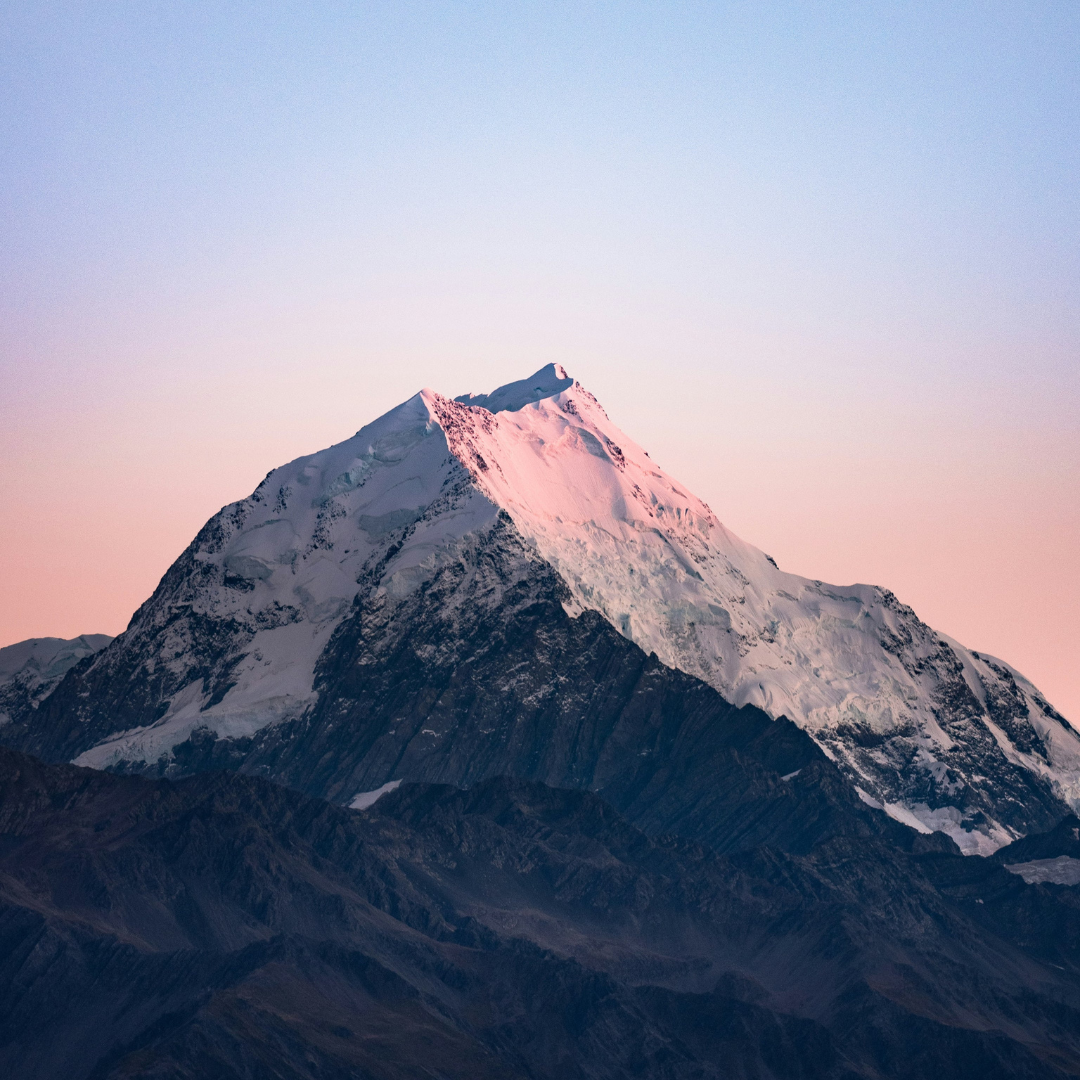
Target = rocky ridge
(225,926)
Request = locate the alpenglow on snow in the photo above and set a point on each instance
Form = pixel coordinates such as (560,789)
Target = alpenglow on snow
(937,735)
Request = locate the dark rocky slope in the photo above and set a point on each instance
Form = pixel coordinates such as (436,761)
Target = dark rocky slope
(225,926)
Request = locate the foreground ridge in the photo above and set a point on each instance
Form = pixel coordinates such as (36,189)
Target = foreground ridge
(225,926)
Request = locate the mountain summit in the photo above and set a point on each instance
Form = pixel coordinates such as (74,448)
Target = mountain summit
(473,515)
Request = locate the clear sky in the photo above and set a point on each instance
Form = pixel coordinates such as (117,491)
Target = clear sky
(821,259)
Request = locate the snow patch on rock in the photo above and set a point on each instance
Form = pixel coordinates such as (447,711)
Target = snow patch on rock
(1063,870)
(365,799)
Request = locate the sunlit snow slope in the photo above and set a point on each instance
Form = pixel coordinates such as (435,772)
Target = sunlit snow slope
(941,737)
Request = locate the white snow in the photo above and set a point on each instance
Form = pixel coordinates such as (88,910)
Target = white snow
(547,382)
(369,798)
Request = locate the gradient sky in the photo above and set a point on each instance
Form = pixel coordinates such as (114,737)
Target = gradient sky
(821,259)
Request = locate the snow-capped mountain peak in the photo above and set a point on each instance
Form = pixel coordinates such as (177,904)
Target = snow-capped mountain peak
(939,736)
(30,669)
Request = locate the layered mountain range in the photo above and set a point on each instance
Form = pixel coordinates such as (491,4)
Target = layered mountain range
(505,584)
(224,926)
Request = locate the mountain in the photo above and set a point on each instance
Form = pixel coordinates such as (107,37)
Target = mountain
(506,584)
(30,670)
(225,926)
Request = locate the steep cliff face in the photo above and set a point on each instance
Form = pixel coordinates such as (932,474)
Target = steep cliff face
(469,515)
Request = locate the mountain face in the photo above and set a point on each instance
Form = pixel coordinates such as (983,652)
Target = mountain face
(499,584)
(225,926)
(30,670)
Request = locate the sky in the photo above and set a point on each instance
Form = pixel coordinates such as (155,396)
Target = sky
(820,259)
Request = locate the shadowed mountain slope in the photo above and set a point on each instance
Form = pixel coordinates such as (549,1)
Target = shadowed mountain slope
(225,926)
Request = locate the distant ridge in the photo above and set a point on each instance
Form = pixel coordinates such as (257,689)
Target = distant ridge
(31,669)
